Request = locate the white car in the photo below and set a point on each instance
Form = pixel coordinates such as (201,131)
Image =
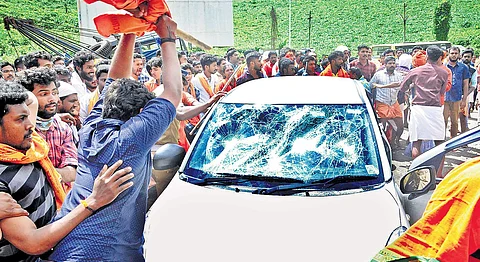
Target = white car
(284,169)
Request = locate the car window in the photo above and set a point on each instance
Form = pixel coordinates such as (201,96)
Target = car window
(302,142)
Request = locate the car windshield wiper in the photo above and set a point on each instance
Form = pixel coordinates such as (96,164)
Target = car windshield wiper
(326,183)
(229,179)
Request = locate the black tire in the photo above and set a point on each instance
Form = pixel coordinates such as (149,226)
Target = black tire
(103,48)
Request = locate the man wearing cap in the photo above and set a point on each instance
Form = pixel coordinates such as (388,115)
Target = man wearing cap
(69,103)
(63,153)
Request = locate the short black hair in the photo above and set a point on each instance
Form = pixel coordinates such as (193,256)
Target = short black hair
(219,60)
(285,50)
(252,56)
(360,47)
(5,63)
(468,51)
(62,70)
(18,62)
(388,59)
(207,60)
(399,49)
(31,59)
(154,62)
(283,64)
(11,93)
(387,51)
(271,53)
(101,69)
(434,53)
(356,71)
(57,58)
(416,47)
(81,57)
(325,63)
(230,53)
(334,55)
(124,99)
(137,56)
(308,59)
(187,67)
(40,75)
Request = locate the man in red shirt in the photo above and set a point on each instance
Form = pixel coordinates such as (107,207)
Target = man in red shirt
(368,68)
(272,59)
(335,66)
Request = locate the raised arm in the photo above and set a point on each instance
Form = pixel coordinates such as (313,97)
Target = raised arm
(171,75)
(122,60)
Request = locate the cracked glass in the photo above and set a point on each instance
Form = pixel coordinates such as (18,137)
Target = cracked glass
(301,142)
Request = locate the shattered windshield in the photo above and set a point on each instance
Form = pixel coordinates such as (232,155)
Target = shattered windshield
(301,142)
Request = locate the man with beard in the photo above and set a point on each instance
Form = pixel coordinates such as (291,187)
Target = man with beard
(254,68)
(467,56)
(87,102)
(8,73)
(232,57)
(63,153)
(456,97)
(69,104)
(83,63)
(272,60)
(335,68)
(387,82)
(27,175)
(137,67)
(205,81)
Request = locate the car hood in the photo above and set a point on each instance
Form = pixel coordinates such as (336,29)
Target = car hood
(194,223)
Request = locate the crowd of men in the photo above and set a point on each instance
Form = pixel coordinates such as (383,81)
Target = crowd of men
(62,121)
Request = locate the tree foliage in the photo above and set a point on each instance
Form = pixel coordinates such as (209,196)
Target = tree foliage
(441,20)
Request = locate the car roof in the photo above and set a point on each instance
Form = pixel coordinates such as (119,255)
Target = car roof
(297,90)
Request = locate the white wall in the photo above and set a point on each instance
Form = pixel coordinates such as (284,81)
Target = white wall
(208,20)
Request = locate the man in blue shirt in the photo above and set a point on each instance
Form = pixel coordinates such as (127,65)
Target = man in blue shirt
(131,121)
(456,98)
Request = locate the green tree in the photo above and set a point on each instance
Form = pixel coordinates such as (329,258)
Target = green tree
(441,20)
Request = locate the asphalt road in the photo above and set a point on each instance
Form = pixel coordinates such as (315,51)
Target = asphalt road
(452,159)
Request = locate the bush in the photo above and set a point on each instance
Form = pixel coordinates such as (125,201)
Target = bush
(441,20)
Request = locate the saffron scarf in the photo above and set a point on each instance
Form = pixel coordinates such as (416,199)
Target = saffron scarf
(206,86)
(449,229)
(38,152)
(117,22)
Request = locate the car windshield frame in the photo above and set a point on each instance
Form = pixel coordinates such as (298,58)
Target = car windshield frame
(259,137)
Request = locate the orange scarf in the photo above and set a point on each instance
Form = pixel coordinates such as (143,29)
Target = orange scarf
(115,23)
(38,152)
(449,229)
(206,86)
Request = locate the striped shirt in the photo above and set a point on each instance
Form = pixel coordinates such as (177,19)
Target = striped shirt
(29,186)
(387,95)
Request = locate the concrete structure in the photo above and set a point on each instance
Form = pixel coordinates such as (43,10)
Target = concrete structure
(211,21)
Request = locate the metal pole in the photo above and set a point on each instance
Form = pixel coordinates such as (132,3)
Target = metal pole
(404,21)
(309,28)
(290,23)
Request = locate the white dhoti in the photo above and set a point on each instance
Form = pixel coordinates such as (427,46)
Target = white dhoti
(426,123)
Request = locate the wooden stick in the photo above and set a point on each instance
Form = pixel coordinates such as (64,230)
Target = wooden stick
(208,110)
(190,38)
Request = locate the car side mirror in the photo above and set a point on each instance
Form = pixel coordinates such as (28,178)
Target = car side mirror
(418,181)
(168,156)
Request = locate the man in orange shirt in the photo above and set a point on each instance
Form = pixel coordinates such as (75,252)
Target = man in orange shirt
(335,66)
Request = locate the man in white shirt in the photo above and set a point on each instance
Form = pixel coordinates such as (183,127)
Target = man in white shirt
(205,81)
(84,66)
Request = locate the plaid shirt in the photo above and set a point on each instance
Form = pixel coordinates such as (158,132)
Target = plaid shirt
(368,70)
(387,95)
(59,138)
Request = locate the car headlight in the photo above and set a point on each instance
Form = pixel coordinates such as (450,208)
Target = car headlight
(396,234)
